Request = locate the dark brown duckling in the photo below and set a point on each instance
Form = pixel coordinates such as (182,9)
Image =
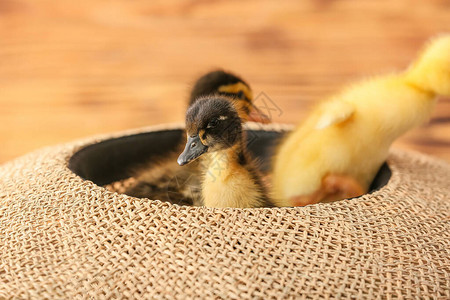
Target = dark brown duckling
(227,84)
(230,177)
(166,180)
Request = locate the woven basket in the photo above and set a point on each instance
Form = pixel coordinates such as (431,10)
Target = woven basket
(63,236)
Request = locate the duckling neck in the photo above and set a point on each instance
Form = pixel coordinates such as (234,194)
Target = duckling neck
(219,165)
(228,182)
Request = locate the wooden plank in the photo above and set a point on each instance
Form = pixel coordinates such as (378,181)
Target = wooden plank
(71,69)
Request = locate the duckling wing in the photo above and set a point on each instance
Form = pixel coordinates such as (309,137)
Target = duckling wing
(165,180)
(334,112)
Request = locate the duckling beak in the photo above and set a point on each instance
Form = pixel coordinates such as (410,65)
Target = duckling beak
(194,148)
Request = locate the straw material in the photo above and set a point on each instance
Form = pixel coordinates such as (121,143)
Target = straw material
(64,237)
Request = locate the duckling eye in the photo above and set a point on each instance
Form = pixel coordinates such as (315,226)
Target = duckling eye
(213,123)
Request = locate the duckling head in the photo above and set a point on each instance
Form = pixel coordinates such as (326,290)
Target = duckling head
(227,84)
(431,71)
(212,124)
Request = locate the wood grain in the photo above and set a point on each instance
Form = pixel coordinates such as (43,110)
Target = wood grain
(70,69)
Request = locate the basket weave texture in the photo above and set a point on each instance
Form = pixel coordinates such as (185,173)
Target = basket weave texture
(65,237)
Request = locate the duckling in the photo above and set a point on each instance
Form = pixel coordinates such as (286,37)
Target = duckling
(215,136)
(230,85)
(166,180)
(336,152)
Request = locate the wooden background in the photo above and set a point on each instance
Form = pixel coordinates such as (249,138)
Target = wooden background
(70,69)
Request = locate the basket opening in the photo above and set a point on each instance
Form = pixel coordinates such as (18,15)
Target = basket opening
(111,160)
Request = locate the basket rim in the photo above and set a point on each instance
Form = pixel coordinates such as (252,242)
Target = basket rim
(382,193)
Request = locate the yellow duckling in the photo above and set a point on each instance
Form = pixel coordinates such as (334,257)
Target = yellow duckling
(336,152)
(165,179)
(215,136)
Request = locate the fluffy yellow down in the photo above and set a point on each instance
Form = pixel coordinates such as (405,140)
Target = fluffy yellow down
(351,133)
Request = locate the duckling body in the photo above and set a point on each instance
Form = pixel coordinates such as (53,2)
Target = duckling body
(166,180)
(230,181)
(339,148)
(215,137)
